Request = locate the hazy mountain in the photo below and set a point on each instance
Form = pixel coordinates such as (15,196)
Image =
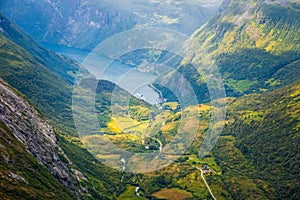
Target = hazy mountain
(85,23)
(78,23)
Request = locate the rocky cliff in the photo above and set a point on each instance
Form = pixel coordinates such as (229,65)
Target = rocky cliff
(35,133)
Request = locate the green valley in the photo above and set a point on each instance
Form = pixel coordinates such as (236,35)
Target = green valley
(130,149)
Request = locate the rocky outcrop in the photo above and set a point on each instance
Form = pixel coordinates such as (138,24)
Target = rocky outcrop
(36,134)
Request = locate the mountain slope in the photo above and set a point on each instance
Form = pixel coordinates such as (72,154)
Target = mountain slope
(22,66)
(78,23)
(264,129)
(21,176)
(29,151)
(60,65)
(254,44)
(251,41)
(50,92)
(86,23)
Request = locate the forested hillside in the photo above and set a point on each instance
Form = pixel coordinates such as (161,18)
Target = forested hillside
(27,67)
(261,141)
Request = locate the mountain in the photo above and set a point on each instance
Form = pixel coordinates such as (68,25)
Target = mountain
(261,142)
(256,156)
(46,80)
(78,23)
(27,67)
(30,152)
(254,45)
(85,23)
(182,16)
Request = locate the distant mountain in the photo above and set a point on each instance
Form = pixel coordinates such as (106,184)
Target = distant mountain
(30,152)
(183,16)
(86,23)
(77,23)
(254,44)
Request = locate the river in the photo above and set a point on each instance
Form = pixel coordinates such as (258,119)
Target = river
(125,76)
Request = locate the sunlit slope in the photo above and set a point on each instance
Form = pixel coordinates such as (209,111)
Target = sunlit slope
(254,44)
(265,130)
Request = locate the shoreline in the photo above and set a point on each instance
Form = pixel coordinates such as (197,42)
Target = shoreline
(156,90)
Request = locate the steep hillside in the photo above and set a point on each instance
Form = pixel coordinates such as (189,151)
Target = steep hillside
(29,151)
(27,67)
(62,66)
(50,91)
(21,176)
(261,141)
(254,44)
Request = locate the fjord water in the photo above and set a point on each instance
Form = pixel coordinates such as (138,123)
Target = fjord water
(125,76)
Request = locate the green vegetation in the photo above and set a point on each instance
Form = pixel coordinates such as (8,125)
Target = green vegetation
(102,182)
(43,78)
(130,194)
(27,67)
(251,43)
(256,157)
(21,176)
(172,194)
(260,155)
(242,85)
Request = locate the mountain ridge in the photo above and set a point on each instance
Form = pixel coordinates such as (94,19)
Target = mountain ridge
(252,43)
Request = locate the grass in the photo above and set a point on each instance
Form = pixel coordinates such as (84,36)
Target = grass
(272,82)
(127,124)
(114,127)
(129,194)
(209,161)
(172,194)
(241,85)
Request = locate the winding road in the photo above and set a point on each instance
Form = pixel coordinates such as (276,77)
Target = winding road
(202,176)
(160,143)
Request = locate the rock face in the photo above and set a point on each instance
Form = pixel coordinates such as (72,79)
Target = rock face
(35,133)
